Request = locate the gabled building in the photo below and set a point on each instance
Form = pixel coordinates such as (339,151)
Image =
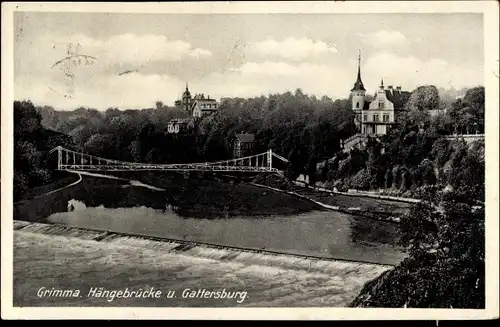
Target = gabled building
(203,106)
(243,145)
(197,106)
(378,116)
(176,126)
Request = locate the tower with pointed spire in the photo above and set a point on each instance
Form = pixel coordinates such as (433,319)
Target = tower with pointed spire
(186,99)
(358,96)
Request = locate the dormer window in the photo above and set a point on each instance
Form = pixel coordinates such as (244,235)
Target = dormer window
(357,104)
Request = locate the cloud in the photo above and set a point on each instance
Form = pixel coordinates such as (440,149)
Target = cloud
(199,53)
(133,90)
(135,49)
(385,39)
(255,79)
(268,68)
(290,48)
(139,90)
(410,72)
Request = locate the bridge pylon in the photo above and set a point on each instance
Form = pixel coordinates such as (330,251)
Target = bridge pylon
(77,160)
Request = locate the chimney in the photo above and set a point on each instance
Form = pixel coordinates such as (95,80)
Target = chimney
(391,89)
(398,88)
(208,97)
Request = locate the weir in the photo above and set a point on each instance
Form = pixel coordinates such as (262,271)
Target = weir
(198,249)
(134,263)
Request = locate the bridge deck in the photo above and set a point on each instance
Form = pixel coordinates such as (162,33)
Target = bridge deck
(258,163)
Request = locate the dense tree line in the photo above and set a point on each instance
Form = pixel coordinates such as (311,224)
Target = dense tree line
(32,143)
(445,239)
(305,129)
(289,123)
(444,234)
(415,154)
(445,266)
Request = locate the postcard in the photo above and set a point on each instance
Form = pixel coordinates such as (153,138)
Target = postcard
(250,160)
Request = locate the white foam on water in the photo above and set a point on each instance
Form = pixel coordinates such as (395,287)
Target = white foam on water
(281,280)
(138,183)
(75,205)
(255,263)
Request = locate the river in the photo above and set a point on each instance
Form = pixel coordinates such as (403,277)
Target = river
(317,233)
(239,215)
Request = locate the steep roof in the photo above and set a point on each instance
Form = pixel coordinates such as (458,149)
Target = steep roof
(397,97)
(358,85)
(186,93)
(198,103)
(245,138)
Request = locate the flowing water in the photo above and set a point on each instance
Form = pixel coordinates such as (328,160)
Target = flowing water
(55,257)
(318,233)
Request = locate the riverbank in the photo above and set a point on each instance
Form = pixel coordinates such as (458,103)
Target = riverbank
(191,197)
(371,206)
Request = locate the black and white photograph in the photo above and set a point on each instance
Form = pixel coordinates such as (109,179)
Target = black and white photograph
(255,155)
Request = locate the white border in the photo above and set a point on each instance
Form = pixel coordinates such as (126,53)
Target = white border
(490,9)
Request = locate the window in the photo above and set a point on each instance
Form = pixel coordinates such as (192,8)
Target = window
(376,118)
(381,105)
(386,118)
(365,117)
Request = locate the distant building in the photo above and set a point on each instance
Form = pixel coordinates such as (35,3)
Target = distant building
(202,107)
(244,145)
(378,116)
(176,126)
(197,106)
(381,114)
(186,101)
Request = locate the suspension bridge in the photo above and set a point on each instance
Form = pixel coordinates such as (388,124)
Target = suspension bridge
(78,161)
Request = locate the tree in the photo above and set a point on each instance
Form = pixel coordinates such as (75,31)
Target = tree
(311,169)
(423,98)
(294,167)
(445,266)
(27,120)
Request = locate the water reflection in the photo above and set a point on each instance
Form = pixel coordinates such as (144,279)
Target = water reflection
(318,233)
(365,231)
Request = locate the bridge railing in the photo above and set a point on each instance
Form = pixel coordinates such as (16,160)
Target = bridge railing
(73,160)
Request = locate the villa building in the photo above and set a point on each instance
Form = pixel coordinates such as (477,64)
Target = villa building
(176,126)
(243,145)
(202,107)
(378,116)
(198,106)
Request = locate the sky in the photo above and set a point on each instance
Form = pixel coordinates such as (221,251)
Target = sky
(134,60)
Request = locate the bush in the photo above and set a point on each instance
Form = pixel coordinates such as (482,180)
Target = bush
(273,181)
(362,180)
(445,267)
